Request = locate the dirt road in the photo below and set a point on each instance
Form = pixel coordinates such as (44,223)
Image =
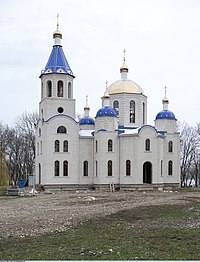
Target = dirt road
(26,216)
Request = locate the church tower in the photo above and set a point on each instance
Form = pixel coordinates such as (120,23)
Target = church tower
(128,100)
(57,83)
(57,131)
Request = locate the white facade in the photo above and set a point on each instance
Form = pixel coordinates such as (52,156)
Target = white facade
(118,149)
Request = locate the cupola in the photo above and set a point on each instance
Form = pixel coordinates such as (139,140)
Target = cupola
(86,119)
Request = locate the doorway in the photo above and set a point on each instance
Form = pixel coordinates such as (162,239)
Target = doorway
(147,172)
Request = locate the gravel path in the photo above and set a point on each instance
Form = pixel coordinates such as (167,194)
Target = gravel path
(27,216)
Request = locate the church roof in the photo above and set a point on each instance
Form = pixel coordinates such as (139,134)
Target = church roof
(124,86)
(86,120)
(57,62)
(106,111)
(165,114)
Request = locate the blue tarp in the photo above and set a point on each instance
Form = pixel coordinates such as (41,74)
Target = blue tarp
(22,183)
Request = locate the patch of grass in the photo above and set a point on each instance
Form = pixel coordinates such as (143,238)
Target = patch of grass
(125,235)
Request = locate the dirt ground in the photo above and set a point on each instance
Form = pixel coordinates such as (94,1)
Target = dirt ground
(42,213)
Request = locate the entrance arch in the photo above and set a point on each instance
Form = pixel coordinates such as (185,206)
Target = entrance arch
(147,172)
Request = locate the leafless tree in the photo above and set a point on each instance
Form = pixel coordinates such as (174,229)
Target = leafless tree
(190,149)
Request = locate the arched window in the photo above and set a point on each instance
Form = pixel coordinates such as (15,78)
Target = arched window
(60,88)
(85,168)
(170,168)
(40,173)
(56,168)
(116,106)
(42,90)
(147,145)
(65,146)
(96,168)
(37,148)
(49,89)
(65,168)
(132,111)
(69,90)
(170,146)
(61,129)
(110,145)
(40,147)
(96,146)
(143,114)
(128,167)
(109,168)
(57,146)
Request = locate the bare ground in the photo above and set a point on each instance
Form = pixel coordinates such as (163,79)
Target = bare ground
(43,213)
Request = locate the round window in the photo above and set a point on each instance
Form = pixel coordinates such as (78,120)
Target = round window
(60,110)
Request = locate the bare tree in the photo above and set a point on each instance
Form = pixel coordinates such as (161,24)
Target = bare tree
(190,144)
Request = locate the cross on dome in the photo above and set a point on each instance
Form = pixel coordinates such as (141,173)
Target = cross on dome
(57,34)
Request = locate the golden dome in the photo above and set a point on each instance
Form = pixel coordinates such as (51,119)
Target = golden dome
(57,33)
(165,99)
(124,67)
(125,86)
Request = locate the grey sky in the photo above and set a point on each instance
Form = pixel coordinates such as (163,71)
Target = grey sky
(162,39)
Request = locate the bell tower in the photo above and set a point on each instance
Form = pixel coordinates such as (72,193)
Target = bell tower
(57,83)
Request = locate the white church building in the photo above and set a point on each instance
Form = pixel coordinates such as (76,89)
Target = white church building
(116,149)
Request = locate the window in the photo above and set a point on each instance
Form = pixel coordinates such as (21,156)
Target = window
(69,90)
(49,89)
(143,108)
(56,168)
(161,167)
(40,172)
(39,131)
(65,146)
(116,106)
(60,110)
(57,146)
(147,145)
(170,168)
(128,167)
(85,168)
(170,146)
(132,111)
(37,148)
(110,145)
(96,146)
(96,168)
(60,89)
(40,147)
(109,168)
(65,168)
(62,129)
(42,90)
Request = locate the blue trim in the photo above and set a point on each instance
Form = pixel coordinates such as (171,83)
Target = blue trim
(102,129)
(126,127)
(59,116)
(120,131)
(147,126)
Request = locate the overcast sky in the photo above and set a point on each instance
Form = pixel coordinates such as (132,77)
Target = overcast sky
(161,37)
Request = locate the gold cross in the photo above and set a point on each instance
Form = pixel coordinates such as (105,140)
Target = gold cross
(124,54)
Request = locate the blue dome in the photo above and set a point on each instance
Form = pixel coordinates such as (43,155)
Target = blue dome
(106,111)
(165,114)
(86,120)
